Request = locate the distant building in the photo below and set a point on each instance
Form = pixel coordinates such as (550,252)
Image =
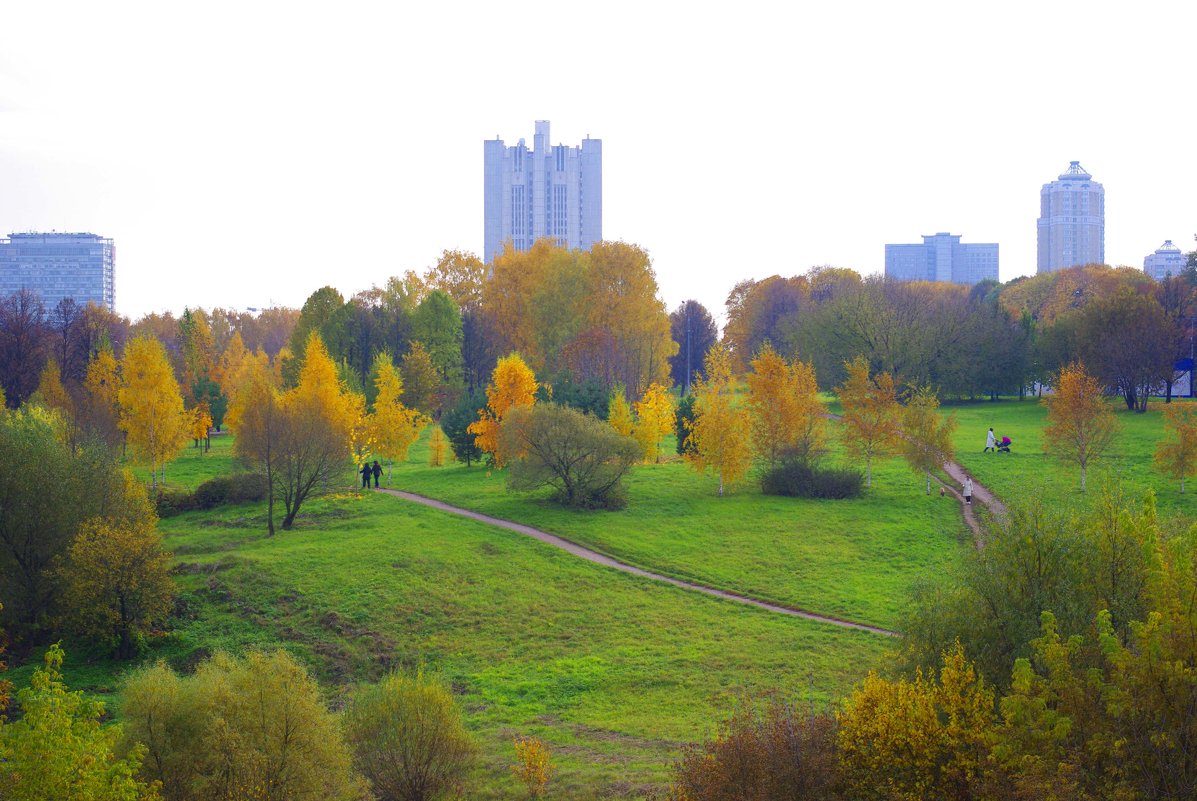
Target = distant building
(57,266)
(1072,221)
(942,257)
(548,191)
(1166,261)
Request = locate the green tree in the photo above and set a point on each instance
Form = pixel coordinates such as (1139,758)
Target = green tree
(926,435)
(58,751)
(436,324)
(408,738)
(422,383)
(318,311)
(456,423)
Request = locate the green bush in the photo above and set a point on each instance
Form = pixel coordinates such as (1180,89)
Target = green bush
(240,488)
(797,479)
(171,502)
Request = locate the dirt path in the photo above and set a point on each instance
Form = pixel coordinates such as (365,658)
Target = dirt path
(607,561)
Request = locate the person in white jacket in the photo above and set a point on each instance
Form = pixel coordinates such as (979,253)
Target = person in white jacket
(968,490)
(989,441)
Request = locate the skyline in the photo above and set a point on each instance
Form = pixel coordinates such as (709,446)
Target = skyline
(253,158)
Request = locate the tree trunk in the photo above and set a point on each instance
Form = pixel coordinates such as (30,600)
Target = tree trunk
(720,483)
(928,483)
(1129,395)
(869,472)
(1082,478)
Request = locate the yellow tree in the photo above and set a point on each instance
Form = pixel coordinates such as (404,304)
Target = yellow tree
(654,421)
(533,764)
(619,414)
(51,391)
(233,364)
(871,413)
(1177,456)
(512,384)
(436,447)
(199,426)
(117,583)
(395,426)
(926,434)
(788,419)
(1080,425)
(255,415)
(151,408)
(719,432)
(102,380)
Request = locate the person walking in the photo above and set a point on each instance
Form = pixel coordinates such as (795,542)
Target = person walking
(365,471)
(989,441)
(968,490)
(377,470)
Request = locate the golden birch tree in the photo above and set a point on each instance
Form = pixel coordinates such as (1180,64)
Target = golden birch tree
(395,426)
(255,415)
(233,364)
(654,421)
(51,391)
(512,384)
(720,431)
(871,414)
(926,434)
(1080,425)
(199,426)
(1176,454)
(619,414)
(151,406)
(788,419)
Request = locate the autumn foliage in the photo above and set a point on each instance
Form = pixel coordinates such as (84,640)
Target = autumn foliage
(718,438)
(512,384)
(1080,425)
(1176,454)
(872,417)
(533,765)
(788,419)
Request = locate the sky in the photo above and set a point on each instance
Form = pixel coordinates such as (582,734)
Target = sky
(244,154)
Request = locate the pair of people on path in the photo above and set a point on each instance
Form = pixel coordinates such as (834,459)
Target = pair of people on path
(370,470)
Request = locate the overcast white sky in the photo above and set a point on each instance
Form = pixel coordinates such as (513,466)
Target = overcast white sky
(247,153)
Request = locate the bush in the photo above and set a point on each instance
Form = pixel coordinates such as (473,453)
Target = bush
(408,739)
(240,488)
(576,454)
(798,479)
(763,752)
(171,502)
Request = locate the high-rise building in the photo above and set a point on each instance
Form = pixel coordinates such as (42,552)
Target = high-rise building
(942,257)
(1072,221)
(1166,261)
(58,266)
(548,191)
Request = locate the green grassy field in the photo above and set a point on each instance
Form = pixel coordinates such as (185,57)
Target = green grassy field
(1028,472)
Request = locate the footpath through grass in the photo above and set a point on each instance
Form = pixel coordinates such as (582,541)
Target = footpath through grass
(614,671)
(1028,473)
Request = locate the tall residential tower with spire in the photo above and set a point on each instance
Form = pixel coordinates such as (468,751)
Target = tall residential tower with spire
(1072,221)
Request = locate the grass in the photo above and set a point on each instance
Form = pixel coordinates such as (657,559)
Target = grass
(614,671)
(1027,472)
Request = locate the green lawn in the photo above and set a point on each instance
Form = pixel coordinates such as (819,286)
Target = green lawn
(614,671)
(1028,472)
(854,559)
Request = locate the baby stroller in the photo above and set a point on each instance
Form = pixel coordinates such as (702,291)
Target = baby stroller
(1004,445)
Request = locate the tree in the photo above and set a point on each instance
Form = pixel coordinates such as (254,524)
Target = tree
(719,434)
(788,419)
(533,764)
(619,414)
(436,324)
(316,424)
(1080,425)
(926,436)
(254,727)
(319,315)
(23,343)
(871,411)
(693,329)
(199,426)
(436,447)
(117,583)
(909,740)
(1129,343)
(36,526)
(395,427)
(408,738)
(151,407)
(512,384)
(58,750)
(423,384)
(456,423)
(256,416)
(1177,456)
(579,456)
(654,421)
(459,274)
(101,383)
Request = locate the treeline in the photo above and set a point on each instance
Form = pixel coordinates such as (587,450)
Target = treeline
(978,341)
(1059,663)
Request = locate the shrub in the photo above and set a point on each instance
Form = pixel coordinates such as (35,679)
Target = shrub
(239,488)
(408,739)
(763,752)
(576,454)
(799,479)
(171,502)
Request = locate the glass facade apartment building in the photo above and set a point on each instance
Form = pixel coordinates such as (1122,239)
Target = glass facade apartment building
(942,257)
(549,191)
(1072,221)
(1168,260)
(57,266)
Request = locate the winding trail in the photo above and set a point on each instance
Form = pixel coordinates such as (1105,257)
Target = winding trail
(607,561)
